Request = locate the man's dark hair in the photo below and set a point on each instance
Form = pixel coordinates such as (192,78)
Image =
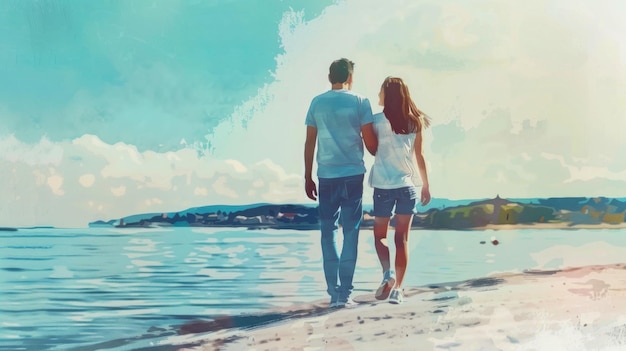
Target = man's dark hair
(340,70)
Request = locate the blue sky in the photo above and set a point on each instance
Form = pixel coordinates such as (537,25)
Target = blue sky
(172,69)
(110,108)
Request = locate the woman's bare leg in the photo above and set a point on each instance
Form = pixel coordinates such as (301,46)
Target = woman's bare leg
(381,224)
(403,226)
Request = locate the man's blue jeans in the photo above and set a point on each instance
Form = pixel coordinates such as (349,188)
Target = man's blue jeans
(340,199)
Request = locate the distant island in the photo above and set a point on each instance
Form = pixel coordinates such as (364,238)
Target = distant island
(499,213)
(259,216)
(495,213)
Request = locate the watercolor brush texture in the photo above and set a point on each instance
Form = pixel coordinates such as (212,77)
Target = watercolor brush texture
(112,109)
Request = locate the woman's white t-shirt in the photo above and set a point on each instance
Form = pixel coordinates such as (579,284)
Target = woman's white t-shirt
(394,165)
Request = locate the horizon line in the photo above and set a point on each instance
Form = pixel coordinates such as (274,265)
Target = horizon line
(47,226)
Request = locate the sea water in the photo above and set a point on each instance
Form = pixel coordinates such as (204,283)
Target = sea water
(128,289)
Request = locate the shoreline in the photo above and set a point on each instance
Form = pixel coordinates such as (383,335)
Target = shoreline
(367,224)
(541,310)
(538,226)
(559,225)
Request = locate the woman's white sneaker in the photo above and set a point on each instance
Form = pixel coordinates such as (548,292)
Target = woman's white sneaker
(386,286)
(396,297)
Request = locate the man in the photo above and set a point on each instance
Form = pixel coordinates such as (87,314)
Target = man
(339,120)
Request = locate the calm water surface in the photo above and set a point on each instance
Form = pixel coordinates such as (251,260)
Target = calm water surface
(110,289)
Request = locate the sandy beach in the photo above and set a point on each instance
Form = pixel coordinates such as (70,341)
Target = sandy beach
(570,226)
(581,308)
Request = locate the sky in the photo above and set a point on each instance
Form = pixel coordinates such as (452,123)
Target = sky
(112,108)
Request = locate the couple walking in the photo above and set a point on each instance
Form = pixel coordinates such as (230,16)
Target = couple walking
(340,122)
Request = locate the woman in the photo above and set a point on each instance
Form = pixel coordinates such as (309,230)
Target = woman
(395,179)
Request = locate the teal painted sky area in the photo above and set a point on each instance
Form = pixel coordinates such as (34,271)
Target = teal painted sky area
(147,73)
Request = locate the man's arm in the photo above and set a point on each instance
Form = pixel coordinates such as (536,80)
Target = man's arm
(369,137)
(421,164)
(309,152)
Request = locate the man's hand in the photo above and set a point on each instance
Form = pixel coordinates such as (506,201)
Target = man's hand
(309,151)
(425,198)
(311,189)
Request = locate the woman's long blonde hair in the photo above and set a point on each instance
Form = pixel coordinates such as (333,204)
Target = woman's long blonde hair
(400,109)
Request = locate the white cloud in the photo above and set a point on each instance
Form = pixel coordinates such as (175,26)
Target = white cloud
(456,21)
(153,201)
(200,191)
(221,188)
(119,191)
(118,180)
(503,81)
(87,180)
(580,172)
(42,153)
(40,177)
(55,182)
(237,166)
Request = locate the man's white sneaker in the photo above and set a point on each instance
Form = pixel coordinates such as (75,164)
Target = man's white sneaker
(347,304)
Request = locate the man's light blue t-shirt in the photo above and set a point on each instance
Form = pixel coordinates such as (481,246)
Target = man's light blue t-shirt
(338,116)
